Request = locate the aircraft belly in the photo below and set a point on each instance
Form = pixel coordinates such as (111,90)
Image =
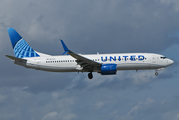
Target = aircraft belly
(58,69)
(132,66)
(156,66)
(53,68)
(138,66)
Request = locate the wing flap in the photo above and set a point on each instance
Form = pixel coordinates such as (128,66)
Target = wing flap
(83,60)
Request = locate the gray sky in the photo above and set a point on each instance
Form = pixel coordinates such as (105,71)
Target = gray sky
(102,26)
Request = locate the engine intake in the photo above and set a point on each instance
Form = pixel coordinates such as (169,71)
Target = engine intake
(108,69)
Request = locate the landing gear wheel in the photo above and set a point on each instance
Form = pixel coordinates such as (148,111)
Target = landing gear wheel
(156,73)
(90,75)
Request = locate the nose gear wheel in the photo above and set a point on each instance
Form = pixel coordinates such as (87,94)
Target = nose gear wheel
(156,73)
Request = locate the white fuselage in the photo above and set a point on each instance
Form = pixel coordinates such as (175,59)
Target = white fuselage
(124,61)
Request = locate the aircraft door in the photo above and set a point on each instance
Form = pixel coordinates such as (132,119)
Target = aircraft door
(154,59)
(37,62)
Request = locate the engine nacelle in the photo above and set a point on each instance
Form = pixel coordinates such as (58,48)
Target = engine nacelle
(108,69)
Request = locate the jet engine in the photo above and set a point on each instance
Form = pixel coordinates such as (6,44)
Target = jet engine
(108,69)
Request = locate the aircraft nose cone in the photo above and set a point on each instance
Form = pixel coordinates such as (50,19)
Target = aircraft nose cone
(170,62)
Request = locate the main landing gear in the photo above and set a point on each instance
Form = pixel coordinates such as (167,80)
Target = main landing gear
(90,75)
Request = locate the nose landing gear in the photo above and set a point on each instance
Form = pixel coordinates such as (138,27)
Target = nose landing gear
(90,75)
(156,73)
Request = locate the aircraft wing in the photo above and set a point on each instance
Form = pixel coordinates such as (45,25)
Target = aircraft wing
(16,59)
(82,61)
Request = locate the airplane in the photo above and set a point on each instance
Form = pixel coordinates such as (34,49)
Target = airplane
(104,64)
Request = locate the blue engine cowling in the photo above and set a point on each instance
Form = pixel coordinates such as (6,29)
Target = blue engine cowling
(108,69)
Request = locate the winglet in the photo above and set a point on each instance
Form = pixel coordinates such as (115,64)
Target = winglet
(64,47)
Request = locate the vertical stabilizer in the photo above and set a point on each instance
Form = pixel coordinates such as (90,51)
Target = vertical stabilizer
(20,47)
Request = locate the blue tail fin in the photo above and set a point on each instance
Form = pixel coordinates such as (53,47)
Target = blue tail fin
(20,47)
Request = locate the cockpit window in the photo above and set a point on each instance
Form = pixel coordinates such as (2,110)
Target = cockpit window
(163,57)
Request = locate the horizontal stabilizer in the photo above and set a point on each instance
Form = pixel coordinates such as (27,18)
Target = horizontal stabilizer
(16,59)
